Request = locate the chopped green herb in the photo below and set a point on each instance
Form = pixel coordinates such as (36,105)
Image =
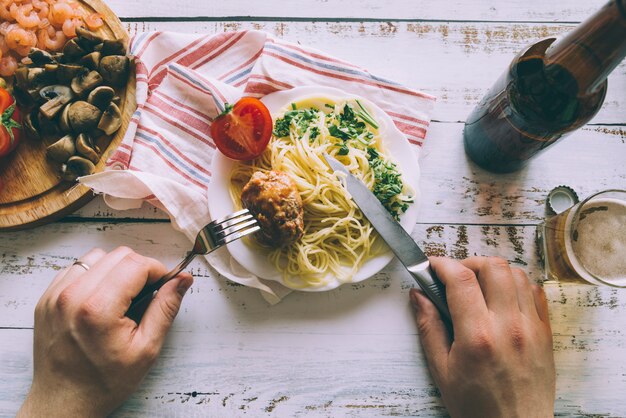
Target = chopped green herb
(293,106)
(315,132)
(338,133)
(300,119)
(343,150)
(387,184)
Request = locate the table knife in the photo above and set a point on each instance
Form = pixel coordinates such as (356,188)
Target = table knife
(400,242)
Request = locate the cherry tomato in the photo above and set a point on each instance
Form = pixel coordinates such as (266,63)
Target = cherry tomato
(242,133)
(10,123)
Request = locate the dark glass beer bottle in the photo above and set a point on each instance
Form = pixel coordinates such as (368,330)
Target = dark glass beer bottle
(550,89)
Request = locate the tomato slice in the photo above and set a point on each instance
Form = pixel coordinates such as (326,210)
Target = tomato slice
(243,132)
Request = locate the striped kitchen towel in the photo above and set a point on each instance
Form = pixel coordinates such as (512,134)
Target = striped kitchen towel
(183,82)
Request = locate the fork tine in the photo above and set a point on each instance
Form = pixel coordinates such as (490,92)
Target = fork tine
(229,217)
(235,236)
(231,222)
(219,235)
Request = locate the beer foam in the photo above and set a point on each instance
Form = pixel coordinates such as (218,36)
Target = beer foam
(599,244)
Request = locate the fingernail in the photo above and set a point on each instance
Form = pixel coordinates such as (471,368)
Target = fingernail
(183,286)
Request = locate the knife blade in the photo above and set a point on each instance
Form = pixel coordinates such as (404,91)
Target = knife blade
(398,240)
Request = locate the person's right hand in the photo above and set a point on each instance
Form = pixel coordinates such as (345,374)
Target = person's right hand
(500,361)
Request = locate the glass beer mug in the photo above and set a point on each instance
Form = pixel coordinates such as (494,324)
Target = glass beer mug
(587,242)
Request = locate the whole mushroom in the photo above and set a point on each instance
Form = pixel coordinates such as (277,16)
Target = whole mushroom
(77,167)
(85,82)
(101,97)
(114,69)
(83,117)
(62,150)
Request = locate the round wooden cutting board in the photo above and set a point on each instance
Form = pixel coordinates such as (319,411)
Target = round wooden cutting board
(31,190)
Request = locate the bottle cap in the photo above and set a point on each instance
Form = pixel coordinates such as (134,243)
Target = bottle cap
(561,198)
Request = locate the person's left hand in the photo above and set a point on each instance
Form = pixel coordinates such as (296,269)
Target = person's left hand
(88,356)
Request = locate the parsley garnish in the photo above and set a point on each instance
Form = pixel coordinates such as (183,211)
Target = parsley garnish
(387,184)
(300,119)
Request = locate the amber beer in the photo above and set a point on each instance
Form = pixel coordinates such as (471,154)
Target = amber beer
(550,89)
(587,243)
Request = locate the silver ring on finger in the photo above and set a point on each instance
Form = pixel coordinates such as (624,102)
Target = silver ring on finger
(81,264)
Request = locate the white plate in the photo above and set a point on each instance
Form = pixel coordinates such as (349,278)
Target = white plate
(395,142)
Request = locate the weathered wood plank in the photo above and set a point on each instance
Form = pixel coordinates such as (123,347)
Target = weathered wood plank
(278,375)
(457,62)
(505,10)
(454,190)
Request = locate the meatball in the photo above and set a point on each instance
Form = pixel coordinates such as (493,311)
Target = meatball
(274,201)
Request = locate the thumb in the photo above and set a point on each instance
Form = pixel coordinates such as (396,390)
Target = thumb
(433,335)
(162,310)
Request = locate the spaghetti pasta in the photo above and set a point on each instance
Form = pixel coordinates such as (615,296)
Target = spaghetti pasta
(337,238)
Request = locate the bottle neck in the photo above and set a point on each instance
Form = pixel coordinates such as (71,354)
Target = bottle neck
(592,50)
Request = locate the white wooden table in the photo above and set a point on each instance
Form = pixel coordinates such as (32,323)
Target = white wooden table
(354,351)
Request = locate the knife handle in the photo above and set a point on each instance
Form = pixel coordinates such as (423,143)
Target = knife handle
(432,287)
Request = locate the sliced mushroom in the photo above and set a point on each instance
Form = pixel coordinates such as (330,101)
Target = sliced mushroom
(72,50)
(91,60)
(77,167)
(64,120)
(114,69)
(57,96)
(67,72)
(111,120)
(87,39)
(83,117)
(113,47)
(86,148)
(101,97)
(31,127)
(62,150)
(39,57)
(84,82)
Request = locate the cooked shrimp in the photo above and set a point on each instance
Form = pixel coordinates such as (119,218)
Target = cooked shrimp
(53,42)
(8,65)
(69,27)
(18,37)
(59,13)
(27,17)
(94,21)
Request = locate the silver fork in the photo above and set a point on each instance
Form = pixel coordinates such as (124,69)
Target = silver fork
(214,235)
